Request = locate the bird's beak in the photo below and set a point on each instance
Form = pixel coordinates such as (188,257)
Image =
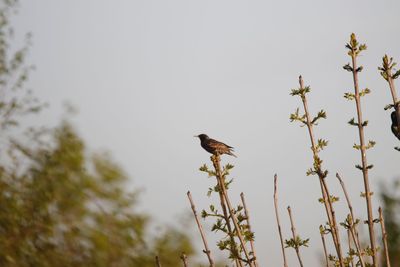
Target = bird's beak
(195,136)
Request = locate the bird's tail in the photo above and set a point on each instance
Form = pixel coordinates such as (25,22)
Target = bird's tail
(230,153)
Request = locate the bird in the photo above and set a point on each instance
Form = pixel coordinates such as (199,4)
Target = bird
(215,147)
(395,129)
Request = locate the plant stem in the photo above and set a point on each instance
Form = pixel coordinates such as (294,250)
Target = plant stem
(216,162)
(364,158)
(294,236)
(324,187)
(277,219)
(203,237)
(349,241)
(353,229)
(324,245)
(394,96)
(384,238)
(184,260)
(246,212)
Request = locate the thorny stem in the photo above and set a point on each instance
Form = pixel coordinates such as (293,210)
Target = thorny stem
(158,263)
(354,231)
(216,162)
(324,188)
(325,253)
(184,260)
(277,219)
(246,212)
(203,237)
(384,238)
(294,236)
(364,158)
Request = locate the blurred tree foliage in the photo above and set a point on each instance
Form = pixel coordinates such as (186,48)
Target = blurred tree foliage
(390,196)
(60,206)
(69,209)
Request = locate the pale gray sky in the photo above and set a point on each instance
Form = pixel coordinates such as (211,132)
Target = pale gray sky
(148,75)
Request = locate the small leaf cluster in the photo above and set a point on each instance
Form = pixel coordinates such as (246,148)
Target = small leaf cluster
(387,67)
(332,198)
(347,261)
(349,223)
(296,242)
(301,91)
(358,166)
(221,224)
(354,47)
(212,173)
(317,167)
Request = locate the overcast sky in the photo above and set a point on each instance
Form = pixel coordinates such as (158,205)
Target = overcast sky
(147,75)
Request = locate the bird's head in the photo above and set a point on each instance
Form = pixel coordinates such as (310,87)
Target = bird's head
(202,136)
(394,118)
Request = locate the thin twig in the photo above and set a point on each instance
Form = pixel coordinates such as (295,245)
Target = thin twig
(233,246)
(203,237)
(216,162)
(294,236)
(387,68)
(324,187)
(384,237)
(360,124)
(158,263)
(353,235)
(324,245)
(277,219)
(184,260)
(353,230)
(246,212)
(349,242)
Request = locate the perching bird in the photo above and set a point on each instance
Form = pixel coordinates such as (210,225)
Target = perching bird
(395,129)
(214,147)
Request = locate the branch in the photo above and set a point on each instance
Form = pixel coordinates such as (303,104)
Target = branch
(324,245)
(354,50)
(246,212)
(295,236)
(386,72)
(353,230)
(384,237)
(330,212)
(216,162)
(277,219)
(203,237)
(350,249)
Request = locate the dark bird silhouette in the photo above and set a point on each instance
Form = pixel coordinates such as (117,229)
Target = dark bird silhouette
(214,147)
(395,129)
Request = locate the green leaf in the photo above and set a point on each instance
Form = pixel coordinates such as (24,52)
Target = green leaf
(348,67)
(349,96)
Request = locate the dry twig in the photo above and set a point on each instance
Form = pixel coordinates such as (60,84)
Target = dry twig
(384,237)
(353,228)
(294,235)
(246,212)
(277,219)
(203,237)
(324,245)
